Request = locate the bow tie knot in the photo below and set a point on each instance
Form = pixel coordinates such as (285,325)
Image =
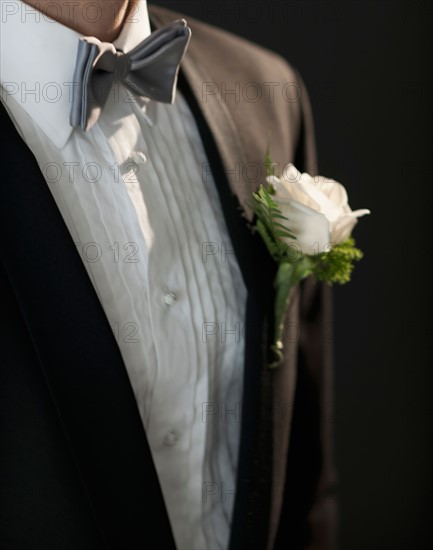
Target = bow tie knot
(122,65)
(149,70)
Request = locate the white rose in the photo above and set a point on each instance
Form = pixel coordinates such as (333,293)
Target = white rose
(317,209)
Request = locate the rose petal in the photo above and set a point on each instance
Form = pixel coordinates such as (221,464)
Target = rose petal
(306,179)
(326,206)
(304,189)
(333,190)
(281,189)
(309,226)
(286,190)
(293,182)
(342,228)
(360,212)
(291,173)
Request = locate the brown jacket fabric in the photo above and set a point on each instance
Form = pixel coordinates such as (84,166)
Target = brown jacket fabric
(76,470)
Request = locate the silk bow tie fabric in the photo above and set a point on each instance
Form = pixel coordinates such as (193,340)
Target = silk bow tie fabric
(149,70)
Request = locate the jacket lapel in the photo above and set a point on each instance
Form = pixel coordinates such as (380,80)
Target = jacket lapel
(78,354)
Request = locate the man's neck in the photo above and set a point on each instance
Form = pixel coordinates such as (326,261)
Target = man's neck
(101,18)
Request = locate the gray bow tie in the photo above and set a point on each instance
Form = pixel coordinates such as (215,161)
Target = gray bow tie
(149,70)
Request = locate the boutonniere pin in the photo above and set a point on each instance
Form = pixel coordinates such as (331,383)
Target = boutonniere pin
(306,224)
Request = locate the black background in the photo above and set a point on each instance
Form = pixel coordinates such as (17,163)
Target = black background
(367,65)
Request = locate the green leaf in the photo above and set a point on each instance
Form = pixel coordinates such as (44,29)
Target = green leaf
(272,231)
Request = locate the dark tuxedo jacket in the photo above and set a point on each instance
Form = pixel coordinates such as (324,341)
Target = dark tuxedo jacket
(75,467)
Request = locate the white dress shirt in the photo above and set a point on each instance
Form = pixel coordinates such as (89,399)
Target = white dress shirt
(133,196)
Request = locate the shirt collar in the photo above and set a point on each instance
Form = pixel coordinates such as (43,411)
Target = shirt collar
(37,63)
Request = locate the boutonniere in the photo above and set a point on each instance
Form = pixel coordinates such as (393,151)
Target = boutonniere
(306,224)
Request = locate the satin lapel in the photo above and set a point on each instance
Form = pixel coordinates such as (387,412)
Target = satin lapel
(250,525)
(78,354)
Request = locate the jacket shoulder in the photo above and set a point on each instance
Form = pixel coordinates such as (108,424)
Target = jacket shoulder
(229,52)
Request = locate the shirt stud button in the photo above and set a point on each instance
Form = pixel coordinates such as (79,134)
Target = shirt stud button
(169,298)
(138,157)
(170,439)
(134,160)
